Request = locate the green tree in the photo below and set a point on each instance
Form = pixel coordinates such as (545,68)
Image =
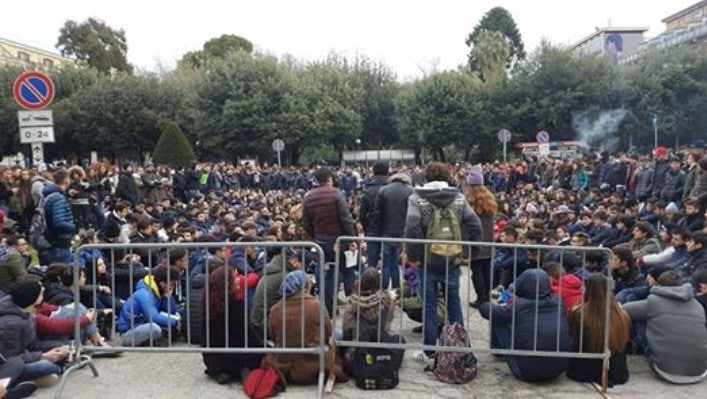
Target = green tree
(442,113)
(216,48)
(173,147)
(490,53)
(497,19)
(96,44)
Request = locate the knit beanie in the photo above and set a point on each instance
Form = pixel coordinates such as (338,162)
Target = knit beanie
(475,178)
(25,293)
(293,283)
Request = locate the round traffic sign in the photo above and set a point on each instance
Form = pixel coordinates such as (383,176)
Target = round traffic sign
(542,136)
(33,90)
(504,135)
(278,145)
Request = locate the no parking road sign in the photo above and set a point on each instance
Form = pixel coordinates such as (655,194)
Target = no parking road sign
(33,90)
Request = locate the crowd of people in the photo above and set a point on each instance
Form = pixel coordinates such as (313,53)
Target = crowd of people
(648,210)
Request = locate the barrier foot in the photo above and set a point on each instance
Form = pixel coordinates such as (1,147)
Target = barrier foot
(85,361)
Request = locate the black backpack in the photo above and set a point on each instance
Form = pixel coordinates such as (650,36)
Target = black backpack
(377,368)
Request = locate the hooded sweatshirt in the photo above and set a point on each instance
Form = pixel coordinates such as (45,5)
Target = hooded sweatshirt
(419,215)
(676,332)
(533,294)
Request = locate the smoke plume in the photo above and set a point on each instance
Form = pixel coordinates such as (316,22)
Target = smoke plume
(596,128)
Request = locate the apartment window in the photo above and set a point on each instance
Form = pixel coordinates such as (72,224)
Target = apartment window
(23,56)
(47,63)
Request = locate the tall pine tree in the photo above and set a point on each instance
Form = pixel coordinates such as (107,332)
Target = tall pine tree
(173,148)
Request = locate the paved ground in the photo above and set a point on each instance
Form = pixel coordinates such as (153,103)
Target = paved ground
(180,376)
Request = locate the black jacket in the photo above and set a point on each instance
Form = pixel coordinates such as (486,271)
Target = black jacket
(368,203)
(18,334)
(390,210)
(634,278)
(126,188)
(698,261)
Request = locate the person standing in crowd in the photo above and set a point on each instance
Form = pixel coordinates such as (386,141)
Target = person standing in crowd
(643,180)
(61,227)
(484,204)
(127,190)
(588,323)
(389,216)
(674,339)
(673,183)
(367,210)
(660,168)
(438,272)
(325,218)
(693,169)
(699,191)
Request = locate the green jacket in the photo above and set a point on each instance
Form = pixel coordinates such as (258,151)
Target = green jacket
(267,293)
(690,181)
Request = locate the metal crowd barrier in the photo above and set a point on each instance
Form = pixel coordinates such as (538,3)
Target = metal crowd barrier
(540,251)
(169,342)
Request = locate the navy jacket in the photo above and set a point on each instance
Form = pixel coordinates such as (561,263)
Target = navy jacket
(549,310)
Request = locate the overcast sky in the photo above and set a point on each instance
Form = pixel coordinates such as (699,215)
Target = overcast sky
(410,36)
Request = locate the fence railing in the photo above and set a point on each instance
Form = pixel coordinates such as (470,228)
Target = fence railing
(182,312)
(448,273)
(125,272)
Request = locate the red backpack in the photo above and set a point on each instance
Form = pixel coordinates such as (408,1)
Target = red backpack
(263,383)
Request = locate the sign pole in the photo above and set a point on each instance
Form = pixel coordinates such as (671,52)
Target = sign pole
(279,162)
(505,144)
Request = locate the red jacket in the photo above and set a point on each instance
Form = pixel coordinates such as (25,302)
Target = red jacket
(46,326)
(571,293)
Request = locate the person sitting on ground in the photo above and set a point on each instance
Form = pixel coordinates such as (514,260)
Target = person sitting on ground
(301,313)
(18,335)
(150,309)
(226,313)
(369,304)
(639,293)
(697,248)
(412,303)
(588,321)
(624,270)
(643,242)
(674,256)
(539,320)
(11,266)
(566,286)
(11,369)
(267,293)
(699,282)
(671,330)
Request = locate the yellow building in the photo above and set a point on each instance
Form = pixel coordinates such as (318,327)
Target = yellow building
(13,53)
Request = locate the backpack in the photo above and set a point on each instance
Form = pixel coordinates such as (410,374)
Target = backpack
(454,367)
(377,368)
(264,382)
(444,226)
(38,229)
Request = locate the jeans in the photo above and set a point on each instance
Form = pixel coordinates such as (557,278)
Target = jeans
(38,369)
(373,253)
(445,274)
(391,269)
(58,255)
(346,274)
(142,334)
(68,313)
(12,368)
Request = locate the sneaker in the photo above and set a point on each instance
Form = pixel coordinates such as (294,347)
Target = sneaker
(21,390)
(422,358)
(47,381)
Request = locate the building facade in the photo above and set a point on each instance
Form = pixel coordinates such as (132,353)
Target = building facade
(683,18)
(611,42)
(13,53)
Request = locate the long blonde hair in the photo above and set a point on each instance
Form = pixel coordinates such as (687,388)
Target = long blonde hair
(481,199)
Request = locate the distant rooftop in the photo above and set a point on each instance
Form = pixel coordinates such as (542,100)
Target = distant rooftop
(32,48)
(685,11)
(609,29)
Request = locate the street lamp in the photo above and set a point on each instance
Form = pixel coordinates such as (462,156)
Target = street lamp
(655,130)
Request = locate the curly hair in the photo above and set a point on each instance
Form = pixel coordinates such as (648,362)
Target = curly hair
(481,199)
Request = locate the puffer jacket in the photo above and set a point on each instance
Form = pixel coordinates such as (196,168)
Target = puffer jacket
(676,330)
(674,182)
(267,293)
(60,221)
(11,267)
(535,307)
(391,207)
(644,182)
(17,332)
(145,305)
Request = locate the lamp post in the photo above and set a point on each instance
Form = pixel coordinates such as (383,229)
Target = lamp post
(655,130)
